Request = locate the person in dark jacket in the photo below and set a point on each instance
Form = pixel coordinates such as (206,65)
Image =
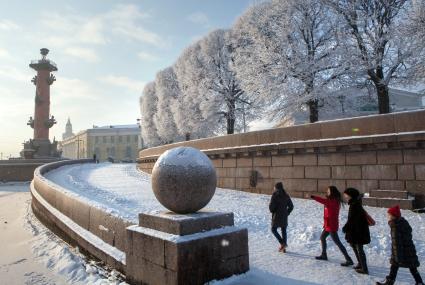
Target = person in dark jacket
(280,206)
(403,251)
(357,228)
(332,203)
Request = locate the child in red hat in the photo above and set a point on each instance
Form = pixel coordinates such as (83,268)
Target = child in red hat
(403,251)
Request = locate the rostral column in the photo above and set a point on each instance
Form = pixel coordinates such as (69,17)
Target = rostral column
(40,145)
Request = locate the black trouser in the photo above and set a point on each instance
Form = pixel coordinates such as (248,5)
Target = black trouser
(360,255)
(413,270)
(337,241)
(282,239)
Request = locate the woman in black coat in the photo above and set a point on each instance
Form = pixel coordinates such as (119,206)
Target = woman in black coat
(357,228)
(280,206)
(403,251)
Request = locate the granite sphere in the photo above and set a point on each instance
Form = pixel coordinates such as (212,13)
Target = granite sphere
(184,180)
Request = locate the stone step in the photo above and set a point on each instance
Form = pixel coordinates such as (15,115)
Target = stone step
(389,194)
(406,204)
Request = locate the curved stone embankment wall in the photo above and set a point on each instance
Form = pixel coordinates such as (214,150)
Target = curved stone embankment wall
(96,232)
(387,153)
(151,252)
(20,169)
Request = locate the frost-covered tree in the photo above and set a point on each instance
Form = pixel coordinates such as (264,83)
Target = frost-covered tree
(415,32)
(187,113)
(167,92)
(378,47)
(148,109)
(418,18)
(289,54)
(224,100)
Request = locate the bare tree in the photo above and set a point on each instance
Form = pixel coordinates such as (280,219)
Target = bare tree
(289,54)
(377,47)
(167,91)
(187,111)
(223,97)
(148,109)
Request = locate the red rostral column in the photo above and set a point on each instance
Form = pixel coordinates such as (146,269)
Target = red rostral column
(42,121)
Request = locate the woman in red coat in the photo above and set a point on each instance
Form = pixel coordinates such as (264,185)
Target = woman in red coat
(332,203)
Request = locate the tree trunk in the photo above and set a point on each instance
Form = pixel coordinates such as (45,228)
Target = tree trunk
(383,98)
(231,116)
(377,77)
(313,106)
(230,125)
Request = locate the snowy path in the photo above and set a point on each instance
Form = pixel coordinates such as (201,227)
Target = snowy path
(124,191)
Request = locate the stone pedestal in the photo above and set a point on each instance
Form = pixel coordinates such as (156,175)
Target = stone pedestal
(168,248)
(40,148)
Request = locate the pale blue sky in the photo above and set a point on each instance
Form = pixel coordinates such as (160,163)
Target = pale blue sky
(105,51)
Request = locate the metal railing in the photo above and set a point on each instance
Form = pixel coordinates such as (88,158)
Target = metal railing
(40,61)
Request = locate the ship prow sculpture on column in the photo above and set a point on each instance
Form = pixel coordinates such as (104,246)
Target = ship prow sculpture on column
(40,146)
(185,245)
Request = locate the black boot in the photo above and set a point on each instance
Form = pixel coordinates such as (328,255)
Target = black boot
(362,261)
(362,271)
(322,257)
(386,282)
(416,276)
(358,266)
(347,263)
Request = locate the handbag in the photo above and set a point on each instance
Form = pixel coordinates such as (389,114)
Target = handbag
(370,220)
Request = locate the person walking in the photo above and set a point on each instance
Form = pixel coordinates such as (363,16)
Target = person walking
(281,207)
(332,203)
(357,228)
(403,251)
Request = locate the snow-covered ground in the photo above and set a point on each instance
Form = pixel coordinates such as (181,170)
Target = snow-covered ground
(124,191)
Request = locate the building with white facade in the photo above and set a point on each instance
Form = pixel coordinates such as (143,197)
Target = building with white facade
(118,143)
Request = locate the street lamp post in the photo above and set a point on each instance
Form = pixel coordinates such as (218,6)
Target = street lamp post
(244,119)
(140,143)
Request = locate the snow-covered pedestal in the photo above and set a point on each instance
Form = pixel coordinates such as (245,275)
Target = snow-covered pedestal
(168,248)
(185,247)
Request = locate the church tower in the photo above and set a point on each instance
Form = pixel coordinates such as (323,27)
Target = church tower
(68,130)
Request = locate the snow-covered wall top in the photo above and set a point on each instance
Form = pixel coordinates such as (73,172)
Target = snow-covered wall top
(84,223)
(401,122)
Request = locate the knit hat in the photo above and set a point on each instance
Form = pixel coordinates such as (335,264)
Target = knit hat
(395,211)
